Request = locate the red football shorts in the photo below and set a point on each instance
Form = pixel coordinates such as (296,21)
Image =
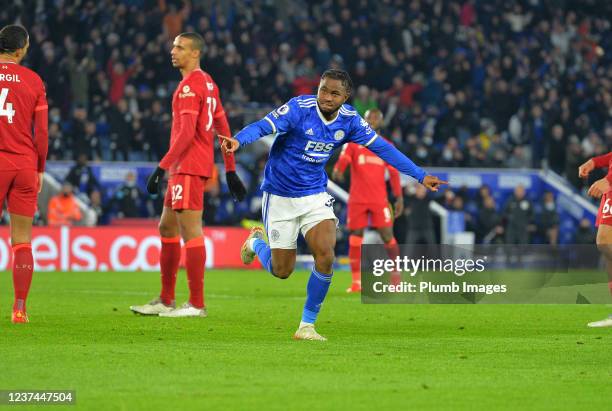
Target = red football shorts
(20,189)
(364,215)
(185,192)
(604,215)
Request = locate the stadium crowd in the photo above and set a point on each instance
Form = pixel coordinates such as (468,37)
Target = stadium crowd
(523,84)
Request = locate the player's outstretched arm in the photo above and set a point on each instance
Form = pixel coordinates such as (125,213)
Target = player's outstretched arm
(403,164)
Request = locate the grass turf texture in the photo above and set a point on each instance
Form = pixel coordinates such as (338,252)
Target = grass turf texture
(464,357)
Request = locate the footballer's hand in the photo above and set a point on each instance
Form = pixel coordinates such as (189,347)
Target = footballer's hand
(586,168)
(154,180)
(40,181)
(398,207)
(599,188)
(229,144)
(433,183)
(337,176)
(235,185)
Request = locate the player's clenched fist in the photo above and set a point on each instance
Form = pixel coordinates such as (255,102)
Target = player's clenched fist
(433,183)
(586,168)
(229,144)
(599,188)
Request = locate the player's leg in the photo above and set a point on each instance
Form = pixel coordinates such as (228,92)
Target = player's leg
(355,242)
(604,244)
(382,220)
(278,257)
(169,257)
(170,254)
(22,198)
(357,221)
(23,264)
(321,240)
(189,205)
(392,249)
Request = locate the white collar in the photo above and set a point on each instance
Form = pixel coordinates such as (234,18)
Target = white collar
(327,122)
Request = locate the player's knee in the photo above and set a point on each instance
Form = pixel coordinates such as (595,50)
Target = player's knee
(282,269)
(167,230)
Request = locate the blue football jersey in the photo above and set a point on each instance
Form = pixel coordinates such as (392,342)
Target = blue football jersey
(304,143)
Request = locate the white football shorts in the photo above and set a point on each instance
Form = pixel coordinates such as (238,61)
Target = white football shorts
(285,217)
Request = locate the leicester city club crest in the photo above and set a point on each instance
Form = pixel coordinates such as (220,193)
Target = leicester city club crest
(338,135)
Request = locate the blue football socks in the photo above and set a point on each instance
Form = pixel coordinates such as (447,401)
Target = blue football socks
(316,290)
(264,253)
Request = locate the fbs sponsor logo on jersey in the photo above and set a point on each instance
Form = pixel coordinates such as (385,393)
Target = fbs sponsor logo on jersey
(318,147)
(186,92)
(316,151)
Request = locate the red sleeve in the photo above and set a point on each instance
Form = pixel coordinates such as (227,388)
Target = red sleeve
(222,128)
(183,139)
(603,160)
(41,129)
(188,106)
(394,179)
(344,159)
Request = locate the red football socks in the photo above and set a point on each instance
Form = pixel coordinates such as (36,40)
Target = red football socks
(393,252)
(169,258)
(355,242)
(195,259)
(23,267)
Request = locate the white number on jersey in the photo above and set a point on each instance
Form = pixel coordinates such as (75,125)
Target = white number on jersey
(606,207)
(6,109)
(177,193)
(211,102)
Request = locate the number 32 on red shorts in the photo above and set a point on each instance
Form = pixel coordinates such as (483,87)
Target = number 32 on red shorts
(185,192)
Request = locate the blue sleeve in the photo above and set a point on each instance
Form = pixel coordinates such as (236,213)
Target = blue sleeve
(277,122)
(395,157)
(361,133)
(254,131)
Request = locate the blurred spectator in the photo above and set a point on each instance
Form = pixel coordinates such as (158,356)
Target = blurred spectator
(128,199)
(549,219)
(518,214)
(81,176)
(63,208)
(419,217)
(95,203)
(585,233)
(488,227)
(211,198)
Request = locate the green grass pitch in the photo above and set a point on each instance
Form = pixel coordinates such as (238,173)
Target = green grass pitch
(424,357)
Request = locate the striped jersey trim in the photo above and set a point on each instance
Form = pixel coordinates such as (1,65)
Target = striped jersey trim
(371,140)
(272,124)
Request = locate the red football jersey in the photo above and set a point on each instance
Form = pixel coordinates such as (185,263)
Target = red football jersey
(23,109)
(196,94)
(368,184)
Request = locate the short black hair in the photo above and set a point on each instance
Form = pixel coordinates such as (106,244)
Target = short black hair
(197,41)
(341,75)
(13,37)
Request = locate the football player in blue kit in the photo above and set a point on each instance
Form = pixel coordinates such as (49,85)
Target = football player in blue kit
(307,129)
